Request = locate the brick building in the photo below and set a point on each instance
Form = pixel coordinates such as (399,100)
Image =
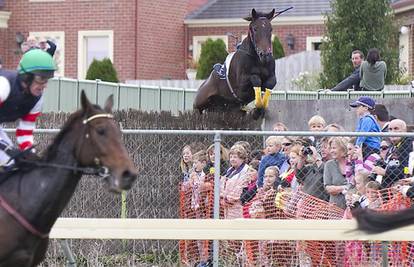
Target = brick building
(152,39)
(143,38)
(303,26)
(404,13)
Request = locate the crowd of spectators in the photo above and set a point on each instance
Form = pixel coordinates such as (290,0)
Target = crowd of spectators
(347,172)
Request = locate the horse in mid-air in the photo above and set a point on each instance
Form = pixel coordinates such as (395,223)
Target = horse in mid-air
(32,198)
(246,72)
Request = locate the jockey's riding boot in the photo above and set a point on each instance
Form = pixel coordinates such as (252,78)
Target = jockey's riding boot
(258,97)
(266,98)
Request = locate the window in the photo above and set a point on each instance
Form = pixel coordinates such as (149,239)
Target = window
(93,45)
(313,43)
(58,38)
(199,40)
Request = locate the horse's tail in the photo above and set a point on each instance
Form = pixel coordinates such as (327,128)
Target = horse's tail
(377,222)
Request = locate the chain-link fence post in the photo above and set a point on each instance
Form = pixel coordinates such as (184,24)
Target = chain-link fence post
(217,157)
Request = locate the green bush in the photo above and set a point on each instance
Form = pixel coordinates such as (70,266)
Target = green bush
(102,70)
(212,52)
(278,51)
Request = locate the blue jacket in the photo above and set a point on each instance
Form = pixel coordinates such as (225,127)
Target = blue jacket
(275,159)
(368,123)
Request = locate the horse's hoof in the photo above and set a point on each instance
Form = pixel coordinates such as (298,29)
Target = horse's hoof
(258,113)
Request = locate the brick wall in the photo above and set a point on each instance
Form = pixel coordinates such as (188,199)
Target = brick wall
(71,16)
(300,32)
(155,30)
(407,18)
(161,39)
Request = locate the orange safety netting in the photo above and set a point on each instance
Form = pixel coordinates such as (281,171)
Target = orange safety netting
(290,205)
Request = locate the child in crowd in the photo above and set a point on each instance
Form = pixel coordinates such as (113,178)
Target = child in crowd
(186,162)
(279,127)
(249,192)
(316,124)
(364,106)
(197,182)
(334,127)
(262,207)
(199,201)
(224,157)
(372,192)
(273,158)
(287,178)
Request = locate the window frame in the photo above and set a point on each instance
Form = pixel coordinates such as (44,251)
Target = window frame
(82,35)
(199,39)
(310,40)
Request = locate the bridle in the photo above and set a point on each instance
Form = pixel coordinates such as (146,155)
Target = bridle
(253,41)
(98,169)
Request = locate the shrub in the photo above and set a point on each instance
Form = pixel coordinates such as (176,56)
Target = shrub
(212,52)
(103,70)
(278,51)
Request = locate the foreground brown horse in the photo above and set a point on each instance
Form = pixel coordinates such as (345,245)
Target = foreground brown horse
(31,200)
(250,71)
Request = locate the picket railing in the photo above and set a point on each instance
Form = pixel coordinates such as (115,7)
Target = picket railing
(63,94)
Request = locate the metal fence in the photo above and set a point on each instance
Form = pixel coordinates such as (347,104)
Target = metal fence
(62,95)
(161,192)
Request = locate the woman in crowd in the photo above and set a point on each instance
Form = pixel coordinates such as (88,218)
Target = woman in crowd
(334,178)
(232,185)
(309,173)
(373,72)
(233,182)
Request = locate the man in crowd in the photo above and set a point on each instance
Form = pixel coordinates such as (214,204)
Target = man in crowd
(397,156)
(382,116)
(352,81)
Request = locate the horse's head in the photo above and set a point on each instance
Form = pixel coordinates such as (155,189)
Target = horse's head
(260,34)
(101,145)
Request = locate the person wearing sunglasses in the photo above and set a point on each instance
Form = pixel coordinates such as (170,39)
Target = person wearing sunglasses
(21,98)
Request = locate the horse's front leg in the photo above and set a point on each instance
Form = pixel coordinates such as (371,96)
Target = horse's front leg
(269,84)
(257,86)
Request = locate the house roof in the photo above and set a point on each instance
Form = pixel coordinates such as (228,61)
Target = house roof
(227,9)
(402,5)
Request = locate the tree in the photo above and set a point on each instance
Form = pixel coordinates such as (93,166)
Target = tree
(102,70)
(212,52)
(358,25)
(278,51)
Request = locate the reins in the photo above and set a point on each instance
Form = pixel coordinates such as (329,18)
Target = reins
(96,170)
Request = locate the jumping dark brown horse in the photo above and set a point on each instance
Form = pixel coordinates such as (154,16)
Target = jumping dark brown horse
(250,70)
(32,199)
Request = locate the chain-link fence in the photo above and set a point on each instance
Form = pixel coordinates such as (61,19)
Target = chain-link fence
(318,175)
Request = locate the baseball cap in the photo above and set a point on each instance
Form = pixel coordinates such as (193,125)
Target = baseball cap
(364,101)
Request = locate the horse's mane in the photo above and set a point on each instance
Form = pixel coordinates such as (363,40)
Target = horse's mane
(52,150)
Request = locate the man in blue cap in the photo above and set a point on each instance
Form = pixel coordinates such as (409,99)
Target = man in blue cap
(364,107)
